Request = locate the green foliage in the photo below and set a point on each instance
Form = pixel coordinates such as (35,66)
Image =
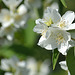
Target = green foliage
(71,61)
(55,58)
(64,3)
(30,36)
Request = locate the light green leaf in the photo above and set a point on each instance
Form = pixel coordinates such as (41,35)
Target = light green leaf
(64,3)
(55,58)
(71,61)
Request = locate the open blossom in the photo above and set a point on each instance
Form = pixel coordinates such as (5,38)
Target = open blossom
(13,64)
(65,22)
(12,4)
(55,38)
(32,65)
(40,28)
(51,16)
(44,68)
(21,16)
(6,18)
(64,66)
(8,32)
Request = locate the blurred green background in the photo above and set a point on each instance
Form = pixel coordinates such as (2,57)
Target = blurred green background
(25,40)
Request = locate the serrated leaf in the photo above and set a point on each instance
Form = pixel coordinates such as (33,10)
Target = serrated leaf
(71,61)
(64,3)
(55,58)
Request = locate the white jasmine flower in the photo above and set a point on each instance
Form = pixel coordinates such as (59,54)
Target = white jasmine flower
(40,28)
(8,32)
(22,9)
(64,66)
(33,3)
(21,64)
(12,4)
(55,38)
(22,71)
(6,18)
(65,21)
(44,68)
(5,65)
(21,16)
(51,16)
(8,73)
(32,66)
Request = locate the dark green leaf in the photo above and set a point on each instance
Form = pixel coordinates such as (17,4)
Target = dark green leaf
(64,3)
(71,61)
(55,58)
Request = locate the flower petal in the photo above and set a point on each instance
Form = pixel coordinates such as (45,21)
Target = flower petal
(53,14)
(48,44)
(39,28)
(70,27)
(63,65)
(63,48)
(68,17)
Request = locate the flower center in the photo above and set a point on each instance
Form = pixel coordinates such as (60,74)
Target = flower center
(7,18)
(48,23)
(62,24)
(60,38)
(17,17)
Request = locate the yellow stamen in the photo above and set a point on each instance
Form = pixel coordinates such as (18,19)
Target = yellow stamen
(60,38)
(48,23)
(7,18)
(62,24)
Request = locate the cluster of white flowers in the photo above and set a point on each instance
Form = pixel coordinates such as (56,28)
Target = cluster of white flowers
(54,30)
(13,18)
(33,6)
(13,66)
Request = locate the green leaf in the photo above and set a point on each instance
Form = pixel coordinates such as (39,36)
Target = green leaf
(71,61)
(64,3)
(55,58)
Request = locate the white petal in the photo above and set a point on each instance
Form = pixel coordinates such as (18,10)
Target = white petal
(8,73)
(48,44)
(53,14)
(22,9)
(70,27)
(68,17)
(5,65)
(12,4)
(69,73)
(54,5)
(5,18)
(10,37)
(63,48)
(39,21)
(21,21)
(56,17)
(39,28)
(63,65)
(21,64)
